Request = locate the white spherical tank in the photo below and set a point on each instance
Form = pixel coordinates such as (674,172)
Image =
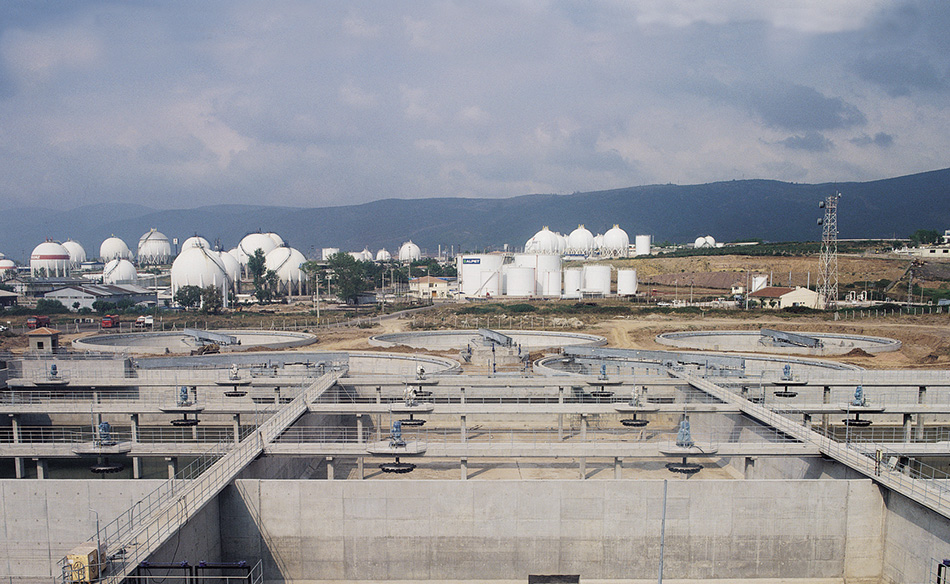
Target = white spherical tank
(598,241)
(77,254)
(573,279)
(327,252)
(626,282)
(253,242)
(580,241)
(366,255)
(200,267)
(358,256)
(278,240)
(710,241)
(49,259)
(119,272)
(597,280)
(480,274)
(232,266)
(383,255)
(114,248)
(700,242)
(409,252)
(7,269)
(616,242)
(643,245)
(198,241)
(154,248)
(519,281)
(286,261)
(544,241)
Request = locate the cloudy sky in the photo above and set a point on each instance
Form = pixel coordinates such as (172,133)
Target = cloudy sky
(182,104)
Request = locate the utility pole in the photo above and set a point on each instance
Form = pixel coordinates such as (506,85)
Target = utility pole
(828,259)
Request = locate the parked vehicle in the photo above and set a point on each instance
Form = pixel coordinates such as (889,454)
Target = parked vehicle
(145,321)
(110,321)
(37,321)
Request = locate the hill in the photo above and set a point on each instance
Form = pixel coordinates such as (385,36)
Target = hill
(729,211)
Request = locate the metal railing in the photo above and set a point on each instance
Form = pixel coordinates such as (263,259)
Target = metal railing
(136,533)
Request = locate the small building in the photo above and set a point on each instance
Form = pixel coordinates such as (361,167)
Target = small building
(8,298)
(86,295)
(781,297)
(429,287)
(44,339)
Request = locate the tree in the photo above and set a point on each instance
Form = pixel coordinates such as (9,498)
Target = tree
(211,300)
(925,237)
(103,306)
(349,279)
(256,266)
(188,296)
(48,306)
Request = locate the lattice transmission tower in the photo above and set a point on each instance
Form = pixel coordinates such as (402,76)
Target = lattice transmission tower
(828,260)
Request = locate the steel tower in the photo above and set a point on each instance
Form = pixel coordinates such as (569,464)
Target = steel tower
(828,261)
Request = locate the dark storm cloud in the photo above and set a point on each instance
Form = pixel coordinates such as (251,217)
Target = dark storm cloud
(901,72)
(803,109)
(880,139)
(811,141)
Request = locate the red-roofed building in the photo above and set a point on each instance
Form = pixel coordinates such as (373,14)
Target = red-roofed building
(782,297)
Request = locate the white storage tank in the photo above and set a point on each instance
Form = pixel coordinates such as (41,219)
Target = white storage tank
(119,272)
(643,243)
(480,274)
(519,281)
(547,273)
(759,282)
(198,241)
(77,254)
(597,280)
(326,252)
(626,282)
(50,260)
(154,248)
(114,248)
(573,280)
(253,242)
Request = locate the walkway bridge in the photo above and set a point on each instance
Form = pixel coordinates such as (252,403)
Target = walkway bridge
(141,530)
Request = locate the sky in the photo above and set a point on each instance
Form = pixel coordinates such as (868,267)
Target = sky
(183,104)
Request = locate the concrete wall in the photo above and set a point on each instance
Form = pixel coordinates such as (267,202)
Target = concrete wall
(914,537)
(43,520)
(447,530)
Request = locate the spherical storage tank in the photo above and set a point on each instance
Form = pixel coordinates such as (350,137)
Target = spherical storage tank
(231,266)
(480,274)
(544,241)
(573,280)
(77,254)
(197,241)
(7,269)
(409,252)
(616,242)
(519,281)
(253,242)
(114,248)
(286,262)
(597,280)
(383,255)
(580,241)
(50,257)
(154,248)
(119,272)
(643,245)
(626,282)
(202,268)
(704,242)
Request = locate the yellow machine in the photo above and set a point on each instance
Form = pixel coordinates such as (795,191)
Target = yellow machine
(82,563)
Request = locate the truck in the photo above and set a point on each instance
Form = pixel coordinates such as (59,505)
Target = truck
(37,321)
(110,321)
(145,321)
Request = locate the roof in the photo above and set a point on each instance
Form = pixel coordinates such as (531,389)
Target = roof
(8,294)
(104,290)
(43,331)
(772,292)
(428,280)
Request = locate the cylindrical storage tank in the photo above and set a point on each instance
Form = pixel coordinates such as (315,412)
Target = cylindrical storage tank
(643,243)
(573,279)
(114,248)
(626,282)
(519,281)
(327,252)
(77,254)
(49,259)
(547,273)
(596,280)
(154,248)
(480,274)
(119,272)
